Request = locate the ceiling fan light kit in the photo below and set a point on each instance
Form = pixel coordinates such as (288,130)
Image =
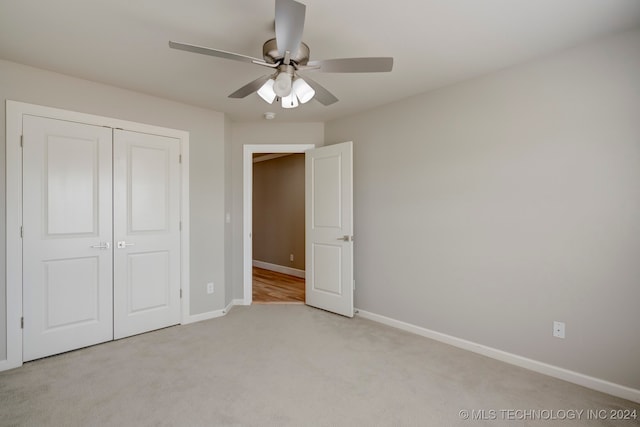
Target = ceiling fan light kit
(266,92)
(290,101)
(282,84)
(303,91)
(291,94)
(288,55)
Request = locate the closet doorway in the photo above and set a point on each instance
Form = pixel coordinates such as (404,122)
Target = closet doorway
(101,240)
(100,204)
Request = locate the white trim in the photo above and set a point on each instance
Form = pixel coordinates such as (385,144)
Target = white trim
(247,207)
(205,316)
(185,231)
(604,386)
(13,163)
(213,314)
(280,268)
(237,301)
(14,112)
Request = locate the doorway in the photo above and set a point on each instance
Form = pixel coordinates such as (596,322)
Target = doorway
(278,228)
(329,283)
(250,151)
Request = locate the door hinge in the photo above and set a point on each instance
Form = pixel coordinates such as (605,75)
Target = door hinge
(180,158)
(22,323)
(180,293)
(21,231)
(21,140)
(354,285)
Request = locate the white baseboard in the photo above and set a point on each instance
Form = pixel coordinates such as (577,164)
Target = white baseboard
(513,359)
(233,302)
(279,269)
(205,316)
(213,314)
(5,365)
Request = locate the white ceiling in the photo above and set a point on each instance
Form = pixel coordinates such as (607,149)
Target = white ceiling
(434,43)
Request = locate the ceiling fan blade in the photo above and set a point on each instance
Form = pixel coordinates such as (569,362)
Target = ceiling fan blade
(354,65)
(289,26)
(322,95)
(249,88)
(215,52)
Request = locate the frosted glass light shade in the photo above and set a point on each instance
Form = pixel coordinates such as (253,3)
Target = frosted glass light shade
(303,91)
(282,85)
(290,101)
(266,91)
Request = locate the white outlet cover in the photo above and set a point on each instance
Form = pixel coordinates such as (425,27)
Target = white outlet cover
(558,329)
(210,288)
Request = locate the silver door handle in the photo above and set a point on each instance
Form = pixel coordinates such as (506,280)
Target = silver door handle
(122,244)
(346,238)
(102,245)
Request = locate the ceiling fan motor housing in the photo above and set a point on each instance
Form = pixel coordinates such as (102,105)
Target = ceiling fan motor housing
(272,56)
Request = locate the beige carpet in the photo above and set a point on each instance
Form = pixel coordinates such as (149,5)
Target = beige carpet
(286,365)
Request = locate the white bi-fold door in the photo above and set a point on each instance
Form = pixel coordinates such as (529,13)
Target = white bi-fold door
(101,251)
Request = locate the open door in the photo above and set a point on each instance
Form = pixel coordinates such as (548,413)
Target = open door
(329,228)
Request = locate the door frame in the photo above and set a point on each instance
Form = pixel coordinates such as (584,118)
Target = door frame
(247,205)
(14,112)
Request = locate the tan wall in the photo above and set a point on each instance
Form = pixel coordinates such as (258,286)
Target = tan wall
(488,209)
(278,211)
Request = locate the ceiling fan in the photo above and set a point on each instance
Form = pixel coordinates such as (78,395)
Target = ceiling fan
(287,55)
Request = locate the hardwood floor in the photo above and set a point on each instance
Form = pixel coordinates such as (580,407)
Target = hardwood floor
(270,287)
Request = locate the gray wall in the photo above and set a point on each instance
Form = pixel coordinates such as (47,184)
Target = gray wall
(278,211)
(26,84)
(489,209)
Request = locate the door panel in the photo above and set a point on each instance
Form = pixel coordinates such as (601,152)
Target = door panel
(70,179)
(148,281)
(67,278)
(329,228)
(146,232)
(327,271)
(78,277)
(149,188)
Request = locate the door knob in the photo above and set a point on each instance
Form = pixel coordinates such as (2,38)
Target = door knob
(346,238)
(122,244)
(101,245)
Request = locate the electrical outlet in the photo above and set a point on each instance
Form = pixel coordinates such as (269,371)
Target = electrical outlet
(558,329)
(210,287)
(291,257)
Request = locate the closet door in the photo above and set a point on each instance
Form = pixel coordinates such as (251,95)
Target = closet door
(146,232)
(67,223)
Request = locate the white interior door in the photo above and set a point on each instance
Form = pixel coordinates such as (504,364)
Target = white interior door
(146,192)
(329,228)
(67,258)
